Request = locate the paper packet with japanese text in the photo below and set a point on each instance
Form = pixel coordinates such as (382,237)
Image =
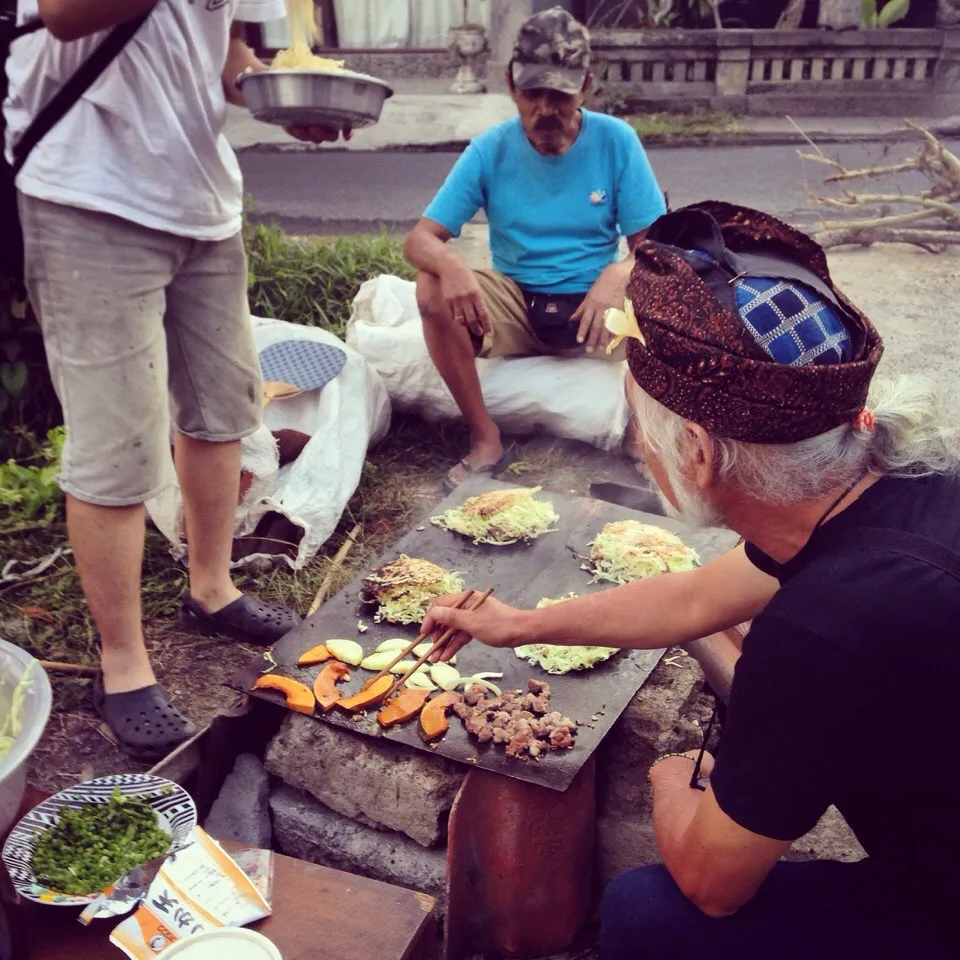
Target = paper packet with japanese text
(198,889)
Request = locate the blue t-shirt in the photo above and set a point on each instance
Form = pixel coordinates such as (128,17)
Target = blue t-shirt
(555,222)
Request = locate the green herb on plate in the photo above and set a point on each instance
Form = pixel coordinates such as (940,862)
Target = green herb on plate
(92,846)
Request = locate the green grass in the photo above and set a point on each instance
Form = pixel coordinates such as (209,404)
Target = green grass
(48,615)
(313,280)
(302,280)
(680,125)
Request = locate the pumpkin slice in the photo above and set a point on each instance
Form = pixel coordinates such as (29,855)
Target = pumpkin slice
(370,697)
(297,695)
(325,686)
(403,707)
(433,717)
(314,655)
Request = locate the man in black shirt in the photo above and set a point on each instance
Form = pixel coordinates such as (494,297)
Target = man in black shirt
(751,391)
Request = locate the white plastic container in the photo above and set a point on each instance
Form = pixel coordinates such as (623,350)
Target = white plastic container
(235,943)
(36,712)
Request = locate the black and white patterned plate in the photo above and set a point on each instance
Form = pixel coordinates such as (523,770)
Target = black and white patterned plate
(173,805)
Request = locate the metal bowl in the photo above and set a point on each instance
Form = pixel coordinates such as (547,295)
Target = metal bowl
(328,98)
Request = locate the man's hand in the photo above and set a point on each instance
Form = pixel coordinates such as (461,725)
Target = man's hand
(461,293)
(315,134)
(496,624)
(609,290)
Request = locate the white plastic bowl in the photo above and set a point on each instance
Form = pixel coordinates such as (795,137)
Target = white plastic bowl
(234,942)
(36,711)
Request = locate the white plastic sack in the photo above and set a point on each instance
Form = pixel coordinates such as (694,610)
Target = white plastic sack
(580,399)
(342,420)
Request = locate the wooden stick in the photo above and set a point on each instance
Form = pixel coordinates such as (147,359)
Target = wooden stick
(56,666)
(341,555)
(445,637)
(421,636)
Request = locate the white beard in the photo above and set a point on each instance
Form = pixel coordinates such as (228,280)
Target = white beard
(692,509)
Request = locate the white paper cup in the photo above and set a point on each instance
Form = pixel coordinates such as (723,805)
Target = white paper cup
(233,942)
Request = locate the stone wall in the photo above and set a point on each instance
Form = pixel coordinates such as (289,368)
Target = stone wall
(772,72)
(380,809)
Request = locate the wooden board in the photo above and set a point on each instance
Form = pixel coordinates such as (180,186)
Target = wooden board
(521,574)
(318,914)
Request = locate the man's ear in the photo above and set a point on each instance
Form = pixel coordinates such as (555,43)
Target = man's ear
(702,459)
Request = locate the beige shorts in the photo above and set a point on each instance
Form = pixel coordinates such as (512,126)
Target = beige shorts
(138,326)
(512,334)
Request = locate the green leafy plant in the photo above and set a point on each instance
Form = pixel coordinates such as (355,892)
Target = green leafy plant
(313,280)
(873,16)
(28,488)
(28,403)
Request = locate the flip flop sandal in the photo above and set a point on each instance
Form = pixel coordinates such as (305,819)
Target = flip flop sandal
(146,725)
(245,618)
(491,470)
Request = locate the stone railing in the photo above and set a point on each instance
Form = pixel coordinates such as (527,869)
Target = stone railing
(770,72)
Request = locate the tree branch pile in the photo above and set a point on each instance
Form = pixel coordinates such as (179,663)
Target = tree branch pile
(929,218)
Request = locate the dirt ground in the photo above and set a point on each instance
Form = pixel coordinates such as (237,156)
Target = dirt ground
(75,745)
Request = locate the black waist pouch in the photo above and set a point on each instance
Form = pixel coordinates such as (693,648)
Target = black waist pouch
(550,314)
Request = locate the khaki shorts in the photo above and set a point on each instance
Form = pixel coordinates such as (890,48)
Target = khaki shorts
(138,325)
(512,334)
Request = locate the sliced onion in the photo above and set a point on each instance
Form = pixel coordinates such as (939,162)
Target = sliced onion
(480,679)
(420,681)
(348,651)
(397,643)
(378,661)
(445,676)
(422,649)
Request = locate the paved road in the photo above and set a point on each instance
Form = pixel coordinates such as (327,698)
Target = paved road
(338,191)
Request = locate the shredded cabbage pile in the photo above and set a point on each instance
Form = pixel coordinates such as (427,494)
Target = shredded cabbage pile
(13,721)
(558,659)
(630,550)
(501,517)
(408,603)
(405,588)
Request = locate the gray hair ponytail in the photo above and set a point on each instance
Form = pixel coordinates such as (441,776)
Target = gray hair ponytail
(909,438)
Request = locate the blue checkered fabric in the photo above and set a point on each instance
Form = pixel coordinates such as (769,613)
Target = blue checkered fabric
(790,321)
(304,363)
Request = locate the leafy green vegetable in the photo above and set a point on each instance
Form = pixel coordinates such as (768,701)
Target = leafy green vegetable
(500,517)
(559,659)
(13,721)
(93,845)
(630,550)
(405,587)
(29,491)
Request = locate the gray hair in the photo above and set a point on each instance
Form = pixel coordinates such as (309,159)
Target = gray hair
(909,439)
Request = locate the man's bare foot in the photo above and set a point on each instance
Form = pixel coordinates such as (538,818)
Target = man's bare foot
(484,458)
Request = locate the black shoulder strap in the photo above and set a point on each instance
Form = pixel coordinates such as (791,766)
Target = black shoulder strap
(61,102)
(893,541)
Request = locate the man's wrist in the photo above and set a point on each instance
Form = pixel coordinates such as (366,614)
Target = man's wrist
(522,628)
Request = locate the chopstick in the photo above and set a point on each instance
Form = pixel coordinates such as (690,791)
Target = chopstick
(445,638)
(421,636)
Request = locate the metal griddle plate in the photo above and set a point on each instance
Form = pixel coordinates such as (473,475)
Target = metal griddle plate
(521,574)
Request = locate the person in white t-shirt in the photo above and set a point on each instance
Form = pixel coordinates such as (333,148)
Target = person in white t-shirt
(131,211)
